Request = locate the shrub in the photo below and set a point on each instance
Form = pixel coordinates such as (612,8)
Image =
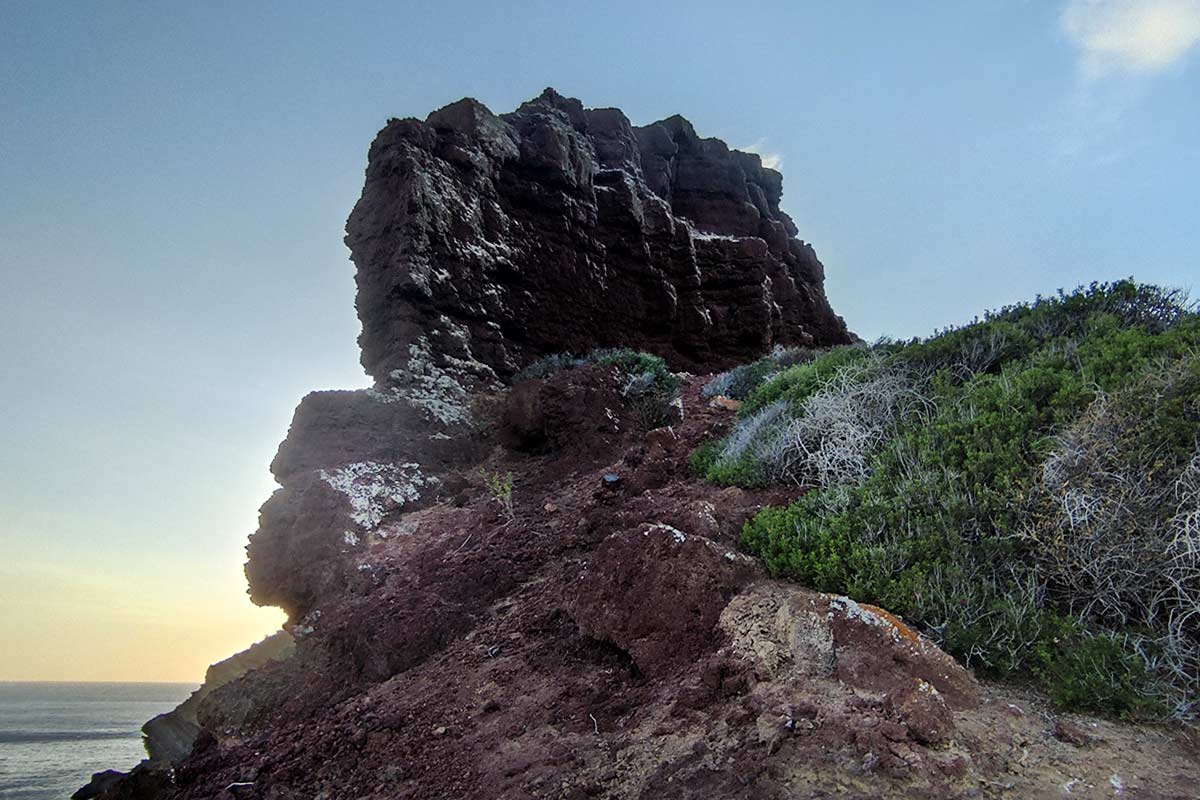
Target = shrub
(647,385)
(649,399)
(739,382)
(1098,673)
(798,381)
(734,461)
(839,427)
(1026,489)
(546,366)
(500,487)
(1130,463)
(631,362)
(649,388)
(823,438)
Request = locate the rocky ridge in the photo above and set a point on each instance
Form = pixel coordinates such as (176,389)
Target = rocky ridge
(605,639)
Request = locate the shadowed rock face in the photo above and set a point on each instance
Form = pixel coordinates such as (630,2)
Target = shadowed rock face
(483,242)
(492,240)
(169,737)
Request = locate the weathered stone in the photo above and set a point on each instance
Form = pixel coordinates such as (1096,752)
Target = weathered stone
(100,783)
(491,240)
(169,737)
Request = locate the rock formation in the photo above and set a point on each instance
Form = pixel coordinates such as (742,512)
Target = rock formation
(169,737)
(603,637)
(483,242)
(490,240)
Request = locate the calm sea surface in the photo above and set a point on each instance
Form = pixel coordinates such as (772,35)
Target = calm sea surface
(53,736)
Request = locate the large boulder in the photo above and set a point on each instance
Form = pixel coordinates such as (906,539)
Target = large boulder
(490,240)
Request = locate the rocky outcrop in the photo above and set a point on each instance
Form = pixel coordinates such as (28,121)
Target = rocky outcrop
(594,632)
(491,240)
(100,783)
(169,737)
(484,241)
(353,463)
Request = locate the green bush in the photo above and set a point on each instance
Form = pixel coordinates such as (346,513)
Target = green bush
(1097,673)
(629,363)
(1042,436)
(739,382)
(797,382)
(647,385)
(632,363)
(546,366)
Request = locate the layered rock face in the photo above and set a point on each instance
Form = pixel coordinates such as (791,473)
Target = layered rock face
(492,240)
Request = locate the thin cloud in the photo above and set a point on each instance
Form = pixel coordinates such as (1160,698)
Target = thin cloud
(1131,36)
(769,160)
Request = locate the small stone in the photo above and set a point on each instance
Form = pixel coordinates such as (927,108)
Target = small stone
(439,730)
(1071,733)
(893,731)
(925,714)
(804,709)
(661,439)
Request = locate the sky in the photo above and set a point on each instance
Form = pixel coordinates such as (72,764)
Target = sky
(175,177)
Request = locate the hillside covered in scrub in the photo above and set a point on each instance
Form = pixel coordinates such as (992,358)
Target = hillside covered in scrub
(1025,489)
(550,554)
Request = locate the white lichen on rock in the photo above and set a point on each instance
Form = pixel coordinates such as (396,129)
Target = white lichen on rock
(374,488)
(307,625)
(431,388)
(439,390)
(385,396)
(675,533)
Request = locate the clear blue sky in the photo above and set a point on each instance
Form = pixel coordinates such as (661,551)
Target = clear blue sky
(174,178)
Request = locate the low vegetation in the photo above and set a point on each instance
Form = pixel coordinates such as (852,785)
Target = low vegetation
(500,487)
(1025,488)
(647,385)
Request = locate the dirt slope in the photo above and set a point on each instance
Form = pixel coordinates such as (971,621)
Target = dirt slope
(612,643)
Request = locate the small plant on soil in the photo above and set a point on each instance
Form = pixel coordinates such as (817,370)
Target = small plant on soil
(501,489)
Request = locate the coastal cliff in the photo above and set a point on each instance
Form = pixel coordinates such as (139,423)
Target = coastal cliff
(502,574)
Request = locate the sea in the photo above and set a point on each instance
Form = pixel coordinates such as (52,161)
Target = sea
(53,736)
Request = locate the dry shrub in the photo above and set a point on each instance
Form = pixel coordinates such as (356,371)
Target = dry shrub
(1116,531)
(833,434)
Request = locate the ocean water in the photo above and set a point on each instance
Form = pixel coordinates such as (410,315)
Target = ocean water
(53,736)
